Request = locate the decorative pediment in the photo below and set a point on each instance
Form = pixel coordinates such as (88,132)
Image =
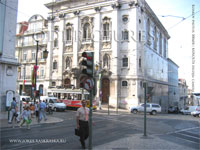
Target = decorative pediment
(87,19)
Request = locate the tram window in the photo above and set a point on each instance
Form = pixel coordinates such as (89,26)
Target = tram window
(79,96)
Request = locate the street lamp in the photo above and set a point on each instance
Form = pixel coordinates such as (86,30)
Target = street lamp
(38,37)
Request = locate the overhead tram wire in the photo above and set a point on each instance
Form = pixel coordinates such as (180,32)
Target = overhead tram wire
(183,18)
(14,9)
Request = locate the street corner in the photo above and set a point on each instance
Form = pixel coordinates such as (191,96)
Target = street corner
(139,141)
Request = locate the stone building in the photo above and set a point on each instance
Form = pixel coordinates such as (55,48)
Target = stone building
(173,83)
(183,93)
(130,47)
(8,62)
(26,53)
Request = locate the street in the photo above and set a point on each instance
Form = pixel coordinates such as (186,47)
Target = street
(174,128)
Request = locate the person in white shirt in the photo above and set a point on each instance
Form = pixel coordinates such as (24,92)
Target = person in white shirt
(26,115)
(82,122)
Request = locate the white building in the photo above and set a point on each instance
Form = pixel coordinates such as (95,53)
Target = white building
(183,93)
(8,62)
(130,47)
(26,53)
(173,83)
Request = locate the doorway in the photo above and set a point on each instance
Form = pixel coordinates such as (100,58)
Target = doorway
(105,90)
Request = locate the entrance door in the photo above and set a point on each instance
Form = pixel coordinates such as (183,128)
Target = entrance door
(105,90)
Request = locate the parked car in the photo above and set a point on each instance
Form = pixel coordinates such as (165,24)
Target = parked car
(173,109)
(151,108)
(54,103)
(196,113)
(189,109)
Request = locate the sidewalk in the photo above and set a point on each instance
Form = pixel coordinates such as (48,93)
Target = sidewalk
(139,142)
(112,111)
(4,120)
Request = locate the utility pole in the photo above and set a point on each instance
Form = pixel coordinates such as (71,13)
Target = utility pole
(145,108)
(90,120)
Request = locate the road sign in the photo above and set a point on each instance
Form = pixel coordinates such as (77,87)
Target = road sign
(88,84)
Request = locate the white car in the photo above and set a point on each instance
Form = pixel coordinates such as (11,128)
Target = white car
(196,113)
(151,108)
(189,109)
(54,103)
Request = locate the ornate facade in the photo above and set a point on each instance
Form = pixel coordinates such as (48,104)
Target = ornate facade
(129,45)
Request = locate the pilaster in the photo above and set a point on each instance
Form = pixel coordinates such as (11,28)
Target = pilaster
(61,48)
(76,39)
(49,62)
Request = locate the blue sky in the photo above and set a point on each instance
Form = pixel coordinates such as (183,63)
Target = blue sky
(180,43)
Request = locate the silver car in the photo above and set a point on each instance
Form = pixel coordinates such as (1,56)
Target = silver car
(151,108)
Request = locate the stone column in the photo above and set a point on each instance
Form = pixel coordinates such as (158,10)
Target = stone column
(114,99)
(76,46)
(76,39)
(97,45)
(50,38)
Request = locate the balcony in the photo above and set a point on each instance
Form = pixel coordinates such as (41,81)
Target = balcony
(86,41)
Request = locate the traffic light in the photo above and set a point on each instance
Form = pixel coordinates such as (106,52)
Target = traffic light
(88,64)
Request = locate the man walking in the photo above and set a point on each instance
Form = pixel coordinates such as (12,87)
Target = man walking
(42,113)
(82,123)
(13,111)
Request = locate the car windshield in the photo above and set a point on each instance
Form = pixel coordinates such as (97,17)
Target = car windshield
(52,101)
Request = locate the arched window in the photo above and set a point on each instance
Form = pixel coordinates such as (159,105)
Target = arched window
(56,36)
(42,72)
(148,31)
(140,62)
(125,62)
(106,31)
(69,35)
(155,38)
(55,65)
(160,44)
(165,47)
(86,32)
(140,36)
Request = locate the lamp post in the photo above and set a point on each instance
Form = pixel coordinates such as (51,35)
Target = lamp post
(145,108)
(38,37)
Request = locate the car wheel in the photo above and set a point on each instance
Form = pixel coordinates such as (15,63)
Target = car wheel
(153,112)
(134,111)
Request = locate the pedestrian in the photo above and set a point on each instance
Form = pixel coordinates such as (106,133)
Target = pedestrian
(82,123)
(26,117)
(32,109)
(37,110)
(42,113)
(13,112)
